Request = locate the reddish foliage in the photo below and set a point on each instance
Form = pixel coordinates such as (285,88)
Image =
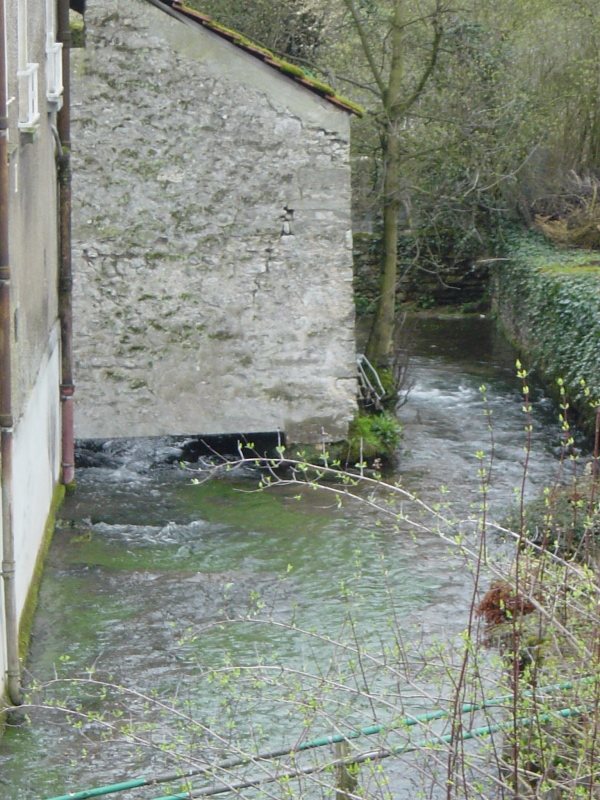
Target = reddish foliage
(501,603)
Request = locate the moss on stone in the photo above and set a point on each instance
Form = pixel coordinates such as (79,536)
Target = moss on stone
(26,621)
(388,381)
(291,70)
(573,269)
(138,383)
(341,98)
(77,28)
(113,375)
(371,438)
(223,336)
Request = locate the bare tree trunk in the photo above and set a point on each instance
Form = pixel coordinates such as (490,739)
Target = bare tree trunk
(396,102)
(382,332)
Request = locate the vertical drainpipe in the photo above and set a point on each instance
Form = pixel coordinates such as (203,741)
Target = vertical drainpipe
(6,420)
(65,280)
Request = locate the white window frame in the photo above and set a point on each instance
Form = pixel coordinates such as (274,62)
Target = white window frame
(29,111)
(54,76)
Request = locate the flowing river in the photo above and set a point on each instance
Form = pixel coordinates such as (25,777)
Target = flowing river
(193,597)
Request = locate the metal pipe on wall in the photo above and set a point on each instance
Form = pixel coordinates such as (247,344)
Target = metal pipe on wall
(65,279)
(11,624)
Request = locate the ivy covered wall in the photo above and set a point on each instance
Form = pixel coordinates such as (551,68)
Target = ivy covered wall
(548,301)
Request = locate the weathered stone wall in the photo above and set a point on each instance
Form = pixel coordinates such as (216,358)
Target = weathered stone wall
(202,305)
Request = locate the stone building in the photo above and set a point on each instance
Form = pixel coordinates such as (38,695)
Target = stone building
(31,92)
(212,233)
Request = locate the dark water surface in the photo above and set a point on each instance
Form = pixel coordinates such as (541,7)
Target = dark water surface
(145,568)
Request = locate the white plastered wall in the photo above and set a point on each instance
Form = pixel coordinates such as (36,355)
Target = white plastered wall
(36,467)
(34,328)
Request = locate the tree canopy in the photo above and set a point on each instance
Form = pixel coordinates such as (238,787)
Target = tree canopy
(480,114)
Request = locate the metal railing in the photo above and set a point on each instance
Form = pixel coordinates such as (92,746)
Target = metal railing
(371,390)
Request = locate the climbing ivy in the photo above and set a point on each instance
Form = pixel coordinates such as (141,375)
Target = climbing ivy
(548,300)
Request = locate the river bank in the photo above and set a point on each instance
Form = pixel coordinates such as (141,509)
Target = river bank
(548,302)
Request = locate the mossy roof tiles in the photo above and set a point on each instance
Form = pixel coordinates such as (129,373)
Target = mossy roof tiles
(291,71)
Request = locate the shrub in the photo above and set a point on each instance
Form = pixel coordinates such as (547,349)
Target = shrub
(374,436)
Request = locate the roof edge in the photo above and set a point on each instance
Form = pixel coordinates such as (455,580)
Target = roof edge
(295,73)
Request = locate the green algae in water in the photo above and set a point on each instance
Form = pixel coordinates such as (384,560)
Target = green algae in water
(253,548)
(74,614)
(98,552)
(238,529)
(245,506)
(175,629)
(122,597)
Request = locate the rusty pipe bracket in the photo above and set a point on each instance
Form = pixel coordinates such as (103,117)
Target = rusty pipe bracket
(67,390)
(6,422)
